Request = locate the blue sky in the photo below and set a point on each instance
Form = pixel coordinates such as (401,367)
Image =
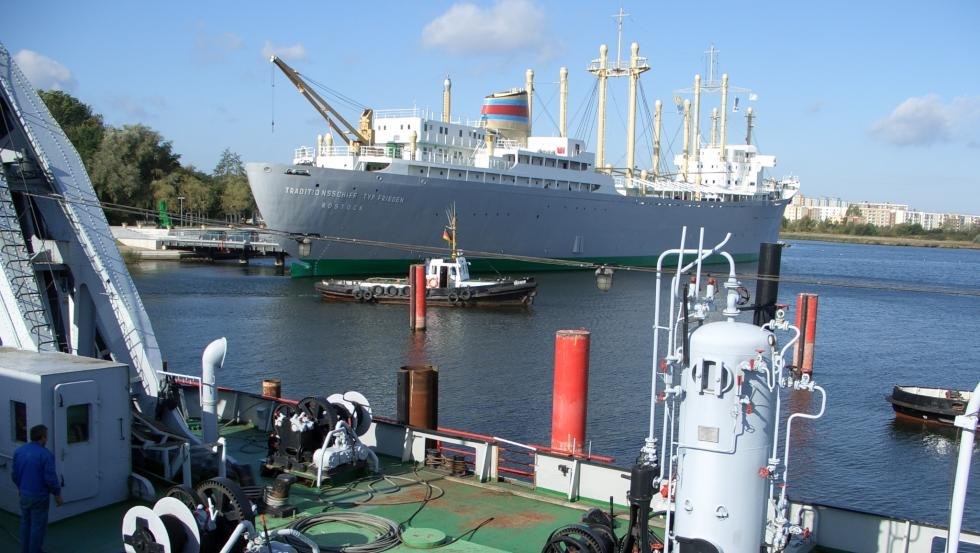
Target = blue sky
(875,101)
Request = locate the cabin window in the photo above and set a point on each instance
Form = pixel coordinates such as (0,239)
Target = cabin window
(536,160)
(78,423)
(509,158)
(549,162)
(18,421)
(523,159)
(576,166)
(563,164)
(461,133)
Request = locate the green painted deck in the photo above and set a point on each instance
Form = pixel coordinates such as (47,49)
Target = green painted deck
(513,517)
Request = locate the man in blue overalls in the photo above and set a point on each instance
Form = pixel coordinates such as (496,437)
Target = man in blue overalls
(36,481)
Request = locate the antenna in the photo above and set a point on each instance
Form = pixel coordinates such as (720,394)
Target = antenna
(619,34)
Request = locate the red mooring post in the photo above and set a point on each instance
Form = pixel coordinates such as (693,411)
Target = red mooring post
(806,321)
(416,304)
(569,403)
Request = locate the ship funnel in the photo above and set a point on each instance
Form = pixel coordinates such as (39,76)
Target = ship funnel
(507,113)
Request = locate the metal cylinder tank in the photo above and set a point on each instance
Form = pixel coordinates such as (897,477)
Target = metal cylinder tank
(508,114)
(725,438)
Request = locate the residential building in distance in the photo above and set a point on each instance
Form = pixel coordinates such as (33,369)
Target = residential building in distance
(879,214)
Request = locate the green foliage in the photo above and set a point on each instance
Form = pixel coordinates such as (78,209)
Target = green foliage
(230,164)
(852,228)
(236,199)
(84,128)
(853,211)
(135,166)
(127,162)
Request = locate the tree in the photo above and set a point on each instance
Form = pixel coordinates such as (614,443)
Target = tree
(128,161)
(84,128)
(236,198)
(853,210)
(230,164)
(198,192)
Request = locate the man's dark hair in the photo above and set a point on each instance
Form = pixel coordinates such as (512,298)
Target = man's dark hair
(39,432)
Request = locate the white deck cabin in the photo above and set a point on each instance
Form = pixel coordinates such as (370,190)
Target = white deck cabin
(417,143)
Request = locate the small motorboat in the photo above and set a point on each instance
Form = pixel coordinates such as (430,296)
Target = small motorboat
(938,405)
(447,283)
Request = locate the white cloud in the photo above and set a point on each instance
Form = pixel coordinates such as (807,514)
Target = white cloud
(138,109)
(927,120)
(507,26)
(215,48)
(45,73)
(292,53)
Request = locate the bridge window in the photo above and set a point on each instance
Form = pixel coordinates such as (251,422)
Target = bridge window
(522,159)
(536,160)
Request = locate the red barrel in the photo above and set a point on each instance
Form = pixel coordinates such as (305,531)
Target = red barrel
(569,405)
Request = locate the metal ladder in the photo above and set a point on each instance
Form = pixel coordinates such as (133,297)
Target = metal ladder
(16,264)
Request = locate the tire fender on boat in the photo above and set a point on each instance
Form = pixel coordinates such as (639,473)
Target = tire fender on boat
(465,294)
(368,296)
(378,290)
(453,297)
(391,291)
(359,294)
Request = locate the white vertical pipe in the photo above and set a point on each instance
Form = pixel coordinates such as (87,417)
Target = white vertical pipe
(968,423)
(563,103)
(724,121)
(714,127)
(447,89)
(631,122)
(529,86)
(212,359)
(600,150)
(687,135)
(657,118)
(696,133)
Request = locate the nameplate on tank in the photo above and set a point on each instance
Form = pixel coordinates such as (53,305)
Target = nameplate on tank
(708,434)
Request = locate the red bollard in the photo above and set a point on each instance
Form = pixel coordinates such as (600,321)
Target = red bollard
(569,403)
(416,304)
(806,321)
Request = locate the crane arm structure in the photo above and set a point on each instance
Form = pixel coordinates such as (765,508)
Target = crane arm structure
(362,137)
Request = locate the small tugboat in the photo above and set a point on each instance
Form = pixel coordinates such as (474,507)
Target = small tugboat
(937,405)
(447,283)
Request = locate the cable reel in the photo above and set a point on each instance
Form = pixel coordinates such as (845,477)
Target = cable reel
(169,527)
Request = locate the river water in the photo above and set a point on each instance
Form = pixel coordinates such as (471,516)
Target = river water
(496,366)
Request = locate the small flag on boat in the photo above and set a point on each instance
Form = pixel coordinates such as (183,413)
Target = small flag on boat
(445,235)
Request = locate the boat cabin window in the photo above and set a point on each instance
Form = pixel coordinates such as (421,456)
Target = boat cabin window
(563,164)
(523,159)
(78,423)
(18,421)
(576,166)
(535,160)
(461,133)
(549,162)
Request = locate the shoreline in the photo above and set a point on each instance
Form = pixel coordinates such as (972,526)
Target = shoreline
(880,240)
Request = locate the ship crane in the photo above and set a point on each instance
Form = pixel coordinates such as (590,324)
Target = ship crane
(355,137)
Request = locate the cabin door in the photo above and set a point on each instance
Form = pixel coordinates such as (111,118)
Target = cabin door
(75,437)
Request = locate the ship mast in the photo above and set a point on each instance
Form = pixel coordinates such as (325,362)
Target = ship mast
(602,69)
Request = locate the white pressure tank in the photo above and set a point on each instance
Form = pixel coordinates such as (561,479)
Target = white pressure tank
(725,438)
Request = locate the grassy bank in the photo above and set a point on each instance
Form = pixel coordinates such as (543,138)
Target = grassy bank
(879,240)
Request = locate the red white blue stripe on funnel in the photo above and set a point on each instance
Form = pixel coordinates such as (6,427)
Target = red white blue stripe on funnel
(505,109)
